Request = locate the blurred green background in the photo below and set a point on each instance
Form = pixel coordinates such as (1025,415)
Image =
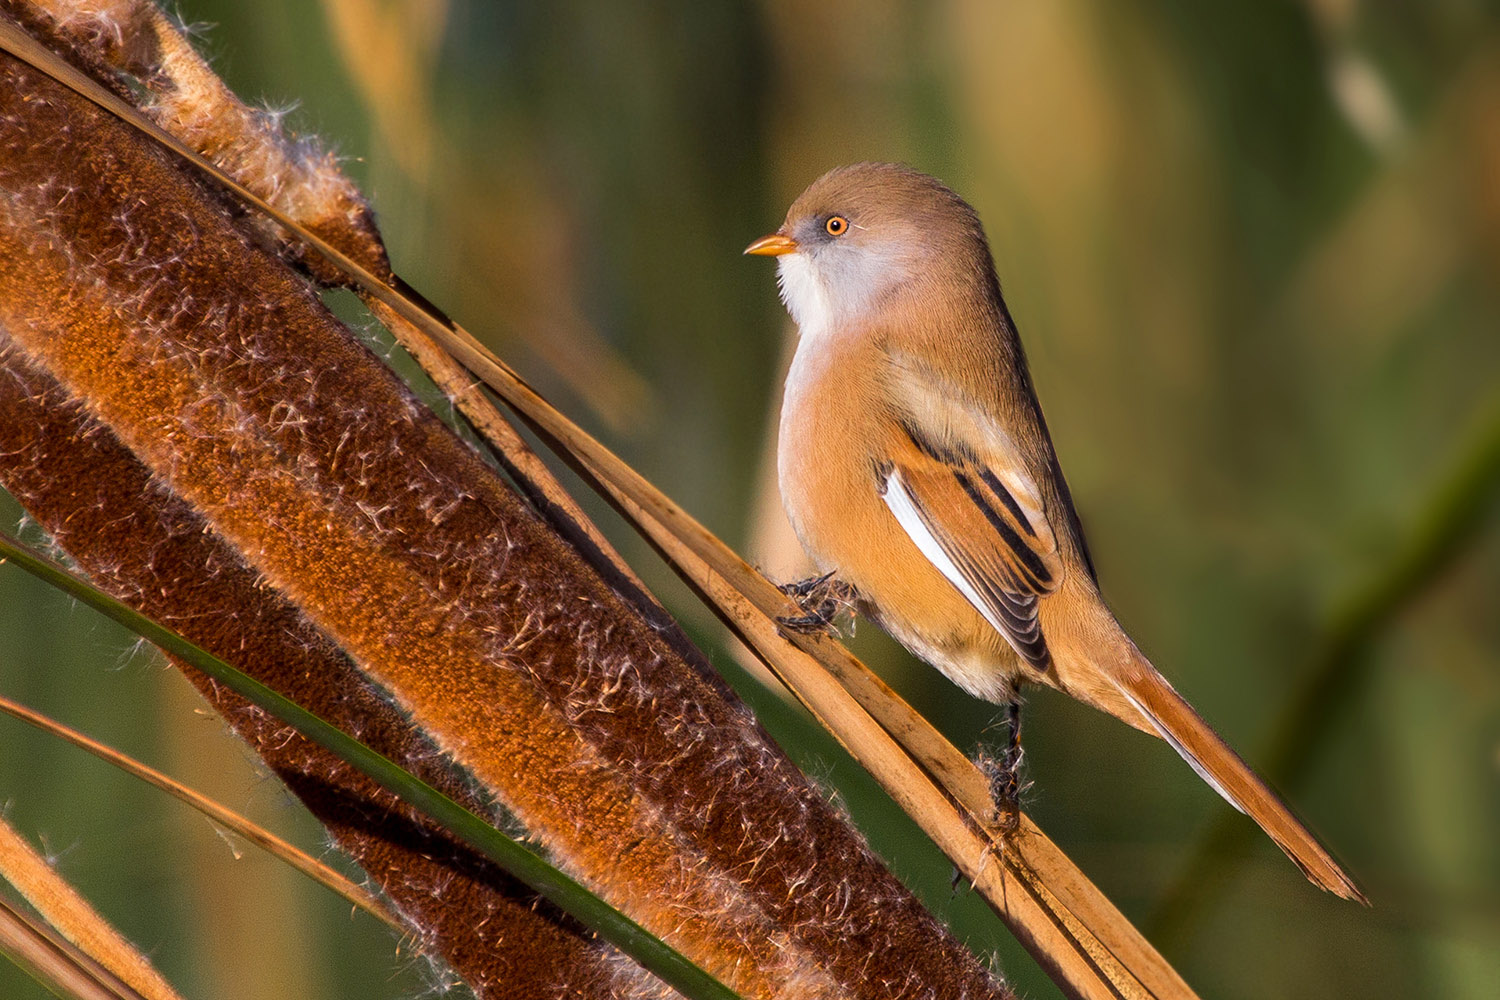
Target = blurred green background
(1254,253)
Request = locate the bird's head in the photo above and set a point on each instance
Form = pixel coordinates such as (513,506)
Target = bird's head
(862,235)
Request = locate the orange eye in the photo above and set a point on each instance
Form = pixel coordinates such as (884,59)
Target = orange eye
(836,225)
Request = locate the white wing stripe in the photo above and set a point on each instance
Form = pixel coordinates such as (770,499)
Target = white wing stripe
(904,507)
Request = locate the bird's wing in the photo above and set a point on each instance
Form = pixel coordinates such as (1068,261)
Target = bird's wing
(977,516)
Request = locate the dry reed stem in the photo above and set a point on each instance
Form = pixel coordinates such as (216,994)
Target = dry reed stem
(1097,952)
(56,962)
(64,908)
(313,461)
(223,817)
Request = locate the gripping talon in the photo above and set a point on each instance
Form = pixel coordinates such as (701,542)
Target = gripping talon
(1004,773)
(807,624)
(822,599)
(802,588)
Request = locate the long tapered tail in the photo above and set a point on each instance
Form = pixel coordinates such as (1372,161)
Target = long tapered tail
(1177,723)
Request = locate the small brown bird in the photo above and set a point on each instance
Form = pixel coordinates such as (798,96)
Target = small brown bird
(917,471)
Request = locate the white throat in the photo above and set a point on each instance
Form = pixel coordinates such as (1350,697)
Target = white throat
(838,287)
(805,295)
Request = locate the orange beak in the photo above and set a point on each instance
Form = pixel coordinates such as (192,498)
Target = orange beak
(772,246)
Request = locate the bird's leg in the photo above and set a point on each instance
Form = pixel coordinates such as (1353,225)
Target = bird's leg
(1005,773)
(1006,787)
(821,598)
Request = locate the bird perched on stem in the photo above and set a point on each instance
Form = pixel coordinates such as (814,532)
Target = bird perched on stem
(917,471)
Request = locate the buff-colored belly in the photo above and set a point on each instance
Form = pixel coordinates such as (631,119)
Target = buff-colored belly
(828,463)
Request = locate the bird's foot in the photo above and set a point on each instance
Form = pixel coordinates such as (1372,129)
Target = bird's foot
(822,600)
(1006,788)
(1004,773)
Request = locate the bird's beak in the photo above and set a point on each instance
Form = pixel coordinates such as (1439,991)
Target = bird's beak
(772,246)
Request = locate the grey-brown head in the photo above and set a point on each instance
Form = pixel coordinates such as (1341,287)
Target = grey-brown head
(863,233)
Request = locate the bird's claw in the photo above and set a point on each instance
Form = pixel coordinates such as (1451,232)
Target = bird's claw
(822,599)
(1004,773)
(1006,787)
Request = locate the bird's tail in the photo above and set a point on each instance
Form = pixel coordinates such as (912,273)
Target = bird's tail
(1176,722)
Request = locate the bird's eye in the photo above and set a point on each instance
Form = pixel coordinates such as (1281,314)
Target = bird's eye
(836,225)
